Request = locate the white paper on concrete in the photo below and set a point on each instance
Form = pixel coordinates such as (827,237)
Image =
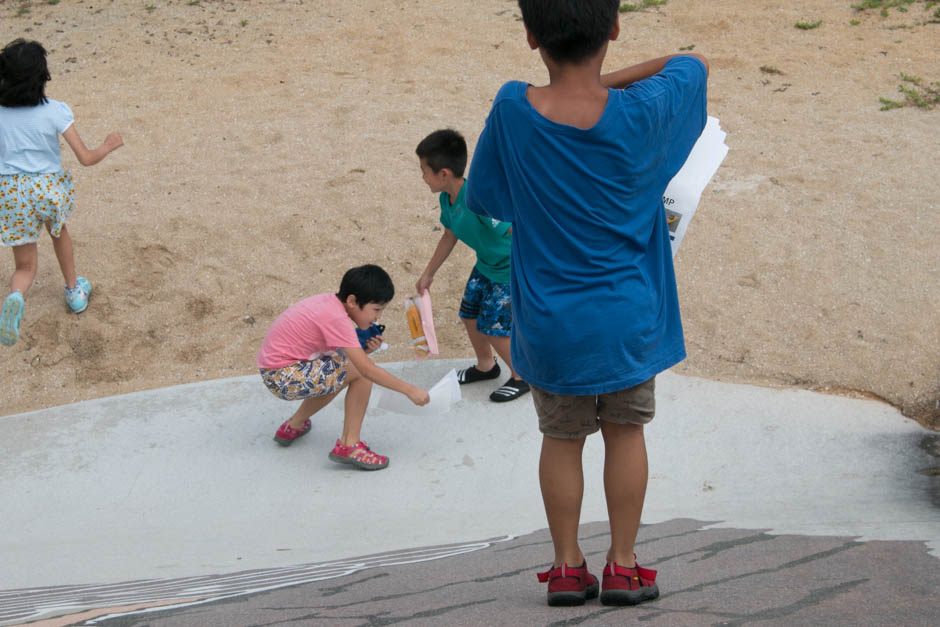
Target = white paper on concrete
(685,189)
(443,395)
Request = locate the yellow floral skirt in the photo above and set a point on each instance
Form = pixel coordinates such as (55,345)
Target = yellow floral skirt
(27,201)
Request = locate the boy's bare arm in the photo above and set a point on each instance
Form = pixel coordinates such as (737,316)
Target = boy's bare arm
(91,157)
(443,250)
(380,376)
(634,73)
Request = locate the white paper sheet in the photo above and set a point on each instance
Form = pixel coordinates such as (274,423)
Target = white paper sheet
(685,189)
(443,395)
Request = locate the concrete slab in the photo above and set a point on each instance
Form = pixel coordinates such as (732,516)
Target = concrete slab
(185,483)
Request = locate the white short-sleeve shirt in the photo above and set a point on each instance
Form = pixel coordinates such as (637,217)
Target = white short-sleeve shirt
(29,137)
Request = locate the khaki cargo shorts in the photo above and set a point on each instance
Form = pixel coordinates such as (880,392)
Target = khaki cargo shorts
(571,417)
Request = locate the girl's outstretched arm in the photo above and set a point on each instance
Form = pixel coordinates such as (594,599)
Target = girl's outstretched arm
(91,157)
(380,376)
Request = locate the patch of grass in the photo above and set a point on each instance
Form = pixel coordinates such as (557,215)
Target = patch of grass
(808,25)
(769,69)
(52,2)
(244,23)
(644,4)
(901,6)
(917,93)
(150,8)
(854,22)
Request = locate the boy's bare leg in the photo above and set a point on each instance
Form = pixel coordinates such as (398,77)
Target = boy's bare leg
(562,480)
(26,258)
(65,254)
(481,345)
(501,344)
(625,477)
(357,400)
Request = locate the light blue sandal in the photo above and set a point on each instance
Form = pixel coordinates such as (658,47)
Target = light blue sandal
(77,297)
(10,319)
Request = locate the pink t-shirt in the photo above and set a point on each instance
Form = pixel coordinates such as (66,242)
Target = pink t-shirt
(307,330)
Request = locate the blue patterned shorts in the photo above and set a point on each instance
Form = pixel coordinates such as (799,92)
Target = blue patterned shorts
(489,303)
(307,379)
(27,201)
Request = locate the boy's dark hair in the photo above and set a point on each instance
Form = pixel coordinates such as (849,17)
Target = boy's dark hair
(368,283)
(445,148)
(569,30)
(23,74)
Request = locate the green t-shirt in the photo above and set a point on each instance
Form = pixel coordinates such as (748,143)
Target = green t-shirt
(490,238)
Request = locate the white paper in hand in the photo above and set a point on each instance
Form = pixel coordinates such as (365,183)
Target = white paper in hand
(685,189)
(443,394)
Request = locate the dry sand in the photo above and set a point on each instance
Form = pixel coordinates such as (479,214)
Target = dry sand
(270,146)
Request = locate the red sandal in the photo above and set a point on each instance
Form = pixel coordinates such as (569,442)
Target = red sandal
(569,586)
(628,586)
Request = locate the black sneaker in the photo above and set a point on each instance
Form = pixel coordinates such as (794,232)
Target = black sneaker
(510,391)
(473,374)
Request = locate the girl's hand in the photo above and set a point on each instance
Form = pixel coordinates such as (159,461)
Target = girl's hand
(424,282)
(373,344)
(418,396)
(113,141)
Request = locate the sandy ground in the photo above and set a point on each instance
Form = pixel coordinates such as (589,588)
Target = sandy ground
(270,146)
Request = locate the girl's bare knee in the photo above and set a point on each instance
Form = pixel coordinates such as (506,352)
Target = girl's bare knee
(352,373)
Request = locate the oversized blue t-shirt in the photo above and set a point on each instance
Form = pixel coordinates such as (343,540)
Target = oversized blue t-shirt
(595,307)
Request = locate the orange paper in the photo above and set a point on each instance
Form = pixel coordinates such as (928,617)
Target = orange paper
(421,325)
(418,342)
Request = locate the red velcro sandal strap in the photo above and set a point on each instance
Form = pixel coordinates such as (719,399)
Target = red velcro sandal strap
(563,571)
(646,573)
(618,570)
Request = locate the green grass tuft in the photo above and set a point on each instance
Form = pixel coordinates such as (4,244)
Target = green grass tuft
(808,25)
(901,6)
(917,93)
(644,4)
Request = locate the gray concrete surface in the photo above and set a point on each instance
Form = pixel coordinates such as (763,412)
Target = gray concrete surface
(770,505)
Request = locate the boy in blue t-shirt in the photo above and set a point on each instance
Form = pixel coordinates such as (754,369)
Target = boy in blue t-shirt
(486,307)
(579,167)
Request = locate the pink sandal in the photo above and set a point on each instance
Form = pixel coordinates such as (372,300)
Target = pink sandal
(286,434)
(359,455)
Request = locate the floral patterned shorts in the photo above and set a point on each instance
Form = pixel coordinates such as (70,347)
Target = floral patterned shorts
(489,302)
(307,379)
(27,201)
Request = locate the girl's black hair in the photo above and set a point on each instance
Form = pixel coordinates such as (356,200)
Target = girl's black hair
(23,74)
(368,283)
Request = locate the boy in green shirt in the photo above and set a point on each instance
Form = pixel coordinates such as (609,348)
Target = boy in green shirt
(486,307)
